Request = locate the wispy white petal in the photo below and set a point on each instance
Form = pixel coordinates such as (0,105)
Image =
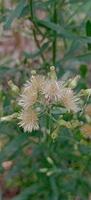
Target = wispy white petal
(28,120)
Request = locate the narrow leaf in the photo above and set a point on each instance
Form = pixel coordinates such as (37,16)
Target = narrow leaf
(16,13)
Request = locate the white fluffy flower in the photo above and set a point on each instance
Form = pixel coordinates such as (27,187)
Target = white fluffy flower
(70,100)
(38,82)
(52,90)
(29,120)
(40,90)
(28,97)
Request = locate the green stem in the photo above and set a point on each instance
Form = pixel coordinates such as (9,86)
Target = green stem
(54,46)
(2,6)
(32,17)
(38,45)
(34,29)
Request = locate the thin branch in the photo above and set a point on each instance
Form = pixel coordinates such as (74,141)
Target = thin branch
(54,45)
(35,28)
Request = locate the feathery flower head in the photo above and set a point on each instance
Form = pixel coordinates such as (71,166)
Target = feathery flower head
(88,110)
(41,90)
(29,120)
(38,82)
(69,100)
(28,98)
(86,130)
(51,90)
(31,90)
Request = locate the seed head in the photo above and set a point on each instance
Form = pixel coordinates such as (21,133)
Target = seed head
(28,97)
(69,100)
(29,120)
(51,90)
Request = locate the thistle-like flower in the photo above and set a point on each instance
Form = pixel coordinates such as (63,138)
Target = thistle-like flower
(51,90)
(28,97)
(86,130)
(70,100)
(88,110)
(29,120)
(39,91)
(38,82)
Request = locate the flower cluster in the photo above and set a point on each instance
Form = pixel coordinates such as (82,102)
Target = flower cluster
(45,91)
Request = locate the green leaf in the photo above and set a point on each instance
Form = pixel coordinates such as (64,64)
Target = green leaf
(61,31)
(88,32)
(27,192)
(16,13)
(6,128)
(77,1)
(83,71)
(6,70)
(54,27)
(13,146)
(82,58)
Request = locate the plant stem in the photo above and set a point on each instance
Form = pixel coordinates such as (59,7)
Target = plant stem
(54,45)
(34,29)
(32,17)
(37,44)
(2,6)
